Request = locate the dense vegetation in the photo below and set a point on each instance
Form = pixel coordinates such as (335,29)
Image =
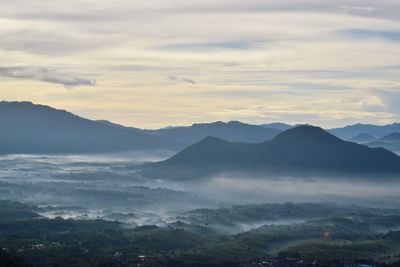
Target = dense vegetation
(339,235)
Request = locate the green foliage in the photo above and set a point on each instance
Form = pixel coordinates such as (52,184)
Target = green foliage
(14,211)
(350,235)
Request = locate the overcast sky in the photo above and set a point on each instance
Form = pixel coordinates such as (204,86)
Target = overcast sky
(155,63)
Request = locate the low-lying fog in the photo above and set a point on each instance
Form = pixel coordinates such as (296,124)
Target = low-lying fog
(108,186)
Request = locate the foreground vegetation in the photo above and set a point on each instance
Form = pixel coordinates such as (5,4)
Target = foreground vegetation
(342,236)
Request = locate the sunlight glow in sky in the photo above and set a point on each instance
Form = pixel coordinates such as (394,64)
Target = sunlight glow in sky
(156,63)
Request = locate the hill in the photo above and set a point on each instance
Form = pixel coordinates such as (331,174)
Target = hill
(376,131)
(278,125)
(393,137)
(30,128)
(230,131)
(390,142)
(304,150)
(363,138)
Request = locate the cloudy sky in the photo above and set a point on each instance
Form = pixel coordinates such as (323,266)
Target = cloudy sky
(155,63)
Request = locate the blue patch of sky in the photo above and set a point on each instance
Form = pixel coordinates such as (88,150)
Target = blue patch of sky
(368,34)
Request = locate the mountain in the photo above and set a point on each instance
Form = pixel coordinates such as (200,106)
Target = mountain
(304,150)
(393,137)
(109,123)
(363,138)
(278,125)
(390,142)
(231,131)
(376,131)
(30,128)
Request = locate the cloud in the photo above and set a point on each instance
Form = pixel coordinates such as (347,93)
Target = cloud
(45,75)
(186,80)
(358,9)
(315,86)
(189,81)
(232,45)
(390,99)
(303,59)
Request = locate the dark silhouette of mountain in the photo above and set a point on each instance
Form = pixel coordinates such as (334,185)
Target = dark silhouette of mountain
(29,128)
(231,131)
(363,138)
(304,150)
(376,131)
(278,125)
(393,137)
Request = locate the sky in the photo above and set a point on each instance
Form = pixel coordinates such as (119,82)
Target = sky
(157,63)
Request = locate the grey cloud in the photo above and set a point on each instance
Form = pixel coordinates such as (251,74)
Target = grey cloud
(45,75)
(384,9)
(180,79)
(391,99)
(189,81)
(96,24)
(88,10)
(52,42)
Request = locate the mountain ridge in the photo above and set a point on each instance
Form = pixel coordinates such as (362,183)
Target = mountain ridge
(230,131)
(377,131)
(31,128)
(39,129)
(307,150)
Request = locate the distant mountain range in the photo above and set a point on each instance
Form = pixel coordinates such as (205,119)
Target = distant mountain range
(393,137)
(359,133)
(363,138)
(230,131)
(278,125)
(377,131)
(183,136)
(390,141)
(30,128)
(303,150)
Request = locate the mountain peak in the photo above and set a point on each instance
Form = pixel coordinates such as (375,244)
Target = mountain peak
(362,138)
(304,150)
(212,139)
(306,134)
